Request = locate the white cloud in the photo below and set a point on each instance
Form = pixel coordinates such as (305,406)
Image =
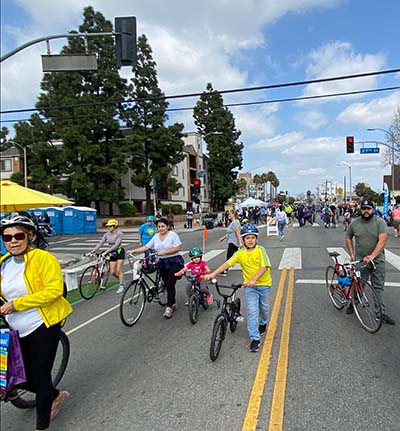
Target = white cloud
(311,119)
(315,147)
(279,141)
(377,112)
(312,171)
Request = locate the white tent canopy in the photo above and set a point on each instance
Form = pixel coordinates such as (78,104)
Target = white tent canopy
(251,202)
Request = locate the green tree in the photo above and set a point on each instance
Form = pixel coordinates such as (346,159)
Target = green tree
(154,148)
(365,192)
(241,186)
(88,165)
(224,153)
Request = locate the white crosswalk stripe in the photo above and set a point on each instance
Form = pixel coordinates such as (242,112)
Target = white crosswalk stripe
(291,258)
(344,256)
(393,259)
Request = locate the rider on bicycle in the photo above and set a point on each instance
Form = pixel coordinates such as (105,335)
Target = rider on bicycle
(32,290)
(198,267)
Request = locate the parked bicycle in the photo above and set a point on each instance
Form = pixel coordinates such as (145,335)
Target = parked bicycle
(230,314)
(48,231)
(94,277)
(24,399)
(143,288)
(196,298)
(344,284)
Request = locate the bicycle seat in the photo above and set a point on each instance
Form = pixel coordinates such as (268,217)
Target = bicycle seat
(334,254)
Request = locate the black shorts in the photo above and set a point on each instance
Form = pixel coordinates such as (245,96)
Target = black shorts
(118,254)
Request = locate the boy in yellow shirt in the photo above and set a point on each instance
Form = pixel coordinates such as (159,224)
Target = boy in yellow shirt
(257,282)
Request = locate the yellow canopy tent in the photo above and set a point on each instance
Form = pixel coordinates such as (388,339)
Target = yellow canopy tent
(14,197)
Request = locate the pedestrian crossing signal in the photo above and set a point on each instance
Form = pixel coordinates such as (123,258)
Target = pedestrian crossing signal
(349,144)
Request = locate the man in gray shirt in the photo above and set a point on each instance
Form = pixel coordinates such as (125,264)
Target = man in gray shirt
(370,233)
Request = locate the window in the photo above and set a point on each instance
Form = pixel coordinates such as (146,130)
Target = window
(5,165)
(183,173)
(175,171)
(176,193)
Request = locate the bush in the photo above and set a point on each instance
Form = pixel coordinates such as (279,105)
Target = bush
(176,209)
(127,210)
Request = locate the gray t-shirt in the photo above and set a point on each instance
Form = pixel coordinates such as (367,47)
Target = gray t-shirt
(366,234)
(231,234)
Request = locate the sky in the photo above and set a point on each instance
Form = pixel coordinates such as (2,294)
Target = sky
(247,43)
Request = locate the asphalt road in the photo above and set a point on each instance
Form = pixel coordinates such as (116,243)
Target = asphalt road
(157,375)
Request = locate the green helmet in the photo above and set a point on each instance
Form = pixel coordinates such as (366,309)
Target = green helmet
(195,252)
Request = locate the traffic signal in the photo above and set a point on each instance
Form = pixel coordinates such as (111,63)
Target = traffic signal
(349,144)
(125,41)
(196,187)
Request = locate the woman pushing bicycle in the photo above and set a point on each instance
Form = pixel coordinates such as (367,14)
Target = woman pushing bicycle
(257,281)
(116,253)
(32,291)
(167,245)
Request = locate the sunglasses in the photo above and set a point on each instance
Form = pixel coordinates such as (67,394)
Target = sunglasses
(20,236)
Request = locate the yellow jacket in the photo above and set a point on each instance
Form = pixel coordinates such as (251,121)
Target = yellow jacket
(44,281)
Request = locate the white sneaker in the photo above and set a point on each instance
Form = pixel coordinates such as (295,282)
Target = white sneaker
(168,313)
(119,290)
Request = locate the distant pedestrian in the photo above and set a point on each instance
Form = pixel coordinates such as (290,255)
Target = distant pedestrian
(232,236)
(189,218)
(146,231)
(170,218)
(281,220)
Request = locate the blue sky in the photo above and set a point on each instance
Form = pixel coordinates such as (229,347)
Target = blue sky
(244,43)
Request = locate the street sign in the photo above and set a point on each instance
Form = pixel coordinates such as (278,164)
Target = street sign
(369,150)
(200,174)
(70,62)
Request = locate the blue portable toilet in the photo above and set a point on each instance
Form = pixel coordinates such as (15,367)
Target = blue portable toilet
(90,220)
(74,220)
(56,216)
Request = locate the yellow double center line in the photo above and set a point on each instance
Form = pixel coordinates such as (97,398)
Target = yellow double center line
(278,402)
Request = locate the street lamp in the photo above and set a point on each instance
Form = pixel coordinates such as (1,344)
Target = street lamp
(390,134)
(25,162)
(350,185)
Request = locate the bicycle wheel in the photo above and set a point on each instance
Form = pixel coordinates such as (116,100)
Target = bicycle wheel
(105,274)
(161,297)
(26,399)
(132,303)
(89,282)
(235,312)
(335,291)
(203,301)
(218,336)
(193,308)
(367,306)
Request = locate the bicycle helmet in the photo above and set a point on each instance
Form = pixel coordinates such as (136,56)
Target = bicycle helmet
(248,229)
(17,221)
(195,252)
(112,222)
(150,218)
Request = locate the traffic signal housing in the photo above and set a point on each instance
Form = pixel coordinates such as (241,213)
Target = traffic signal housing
(125,41)
(196,187)
(349,144)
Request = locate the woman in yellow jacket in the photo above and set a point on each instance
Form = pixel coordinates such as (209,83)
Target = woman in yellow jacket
(33,304)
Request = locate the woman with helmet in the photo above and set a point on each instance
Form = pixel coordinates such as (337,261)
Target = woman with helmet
(257,282)
(167,245)
(116,253)
(146,231)
(33,304)
(232,236)
(198,267)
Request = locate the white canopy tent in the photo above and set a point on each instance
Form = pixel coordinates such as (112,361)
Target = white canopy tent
(252,202)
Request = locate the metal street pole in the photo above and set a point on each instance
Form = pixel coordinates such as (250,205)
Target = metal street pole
(344,189)
(350,184)
(25,162)
(392,147)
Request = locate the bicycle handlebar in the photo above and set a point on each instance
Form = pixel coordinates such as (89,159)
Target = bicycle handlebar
(234,287)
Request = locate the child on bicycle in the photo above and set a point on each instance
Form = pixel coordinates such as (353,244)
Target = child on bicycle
(198,267)
(257,282)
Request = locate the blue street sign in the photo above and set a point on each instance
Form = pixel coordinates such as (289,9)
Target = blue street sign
(369,150)
(200,174)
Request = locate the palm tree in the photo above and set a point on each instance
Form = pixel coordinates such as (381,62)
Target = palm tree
(257,180)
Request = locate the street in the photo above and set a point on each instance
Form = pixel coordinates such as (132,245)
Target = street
(317,369)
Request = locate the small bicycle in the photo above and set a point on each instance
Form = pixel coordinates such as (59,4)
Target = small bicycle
(94,277)
(143,288)
(230,314)
(344,284)
(196,298)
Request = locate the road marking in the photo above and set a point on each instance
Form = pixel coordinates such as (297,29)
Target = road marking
(344,256)
(393,259)
(212,253)
(302,281)
(278,398)
(291,258)
(253,407)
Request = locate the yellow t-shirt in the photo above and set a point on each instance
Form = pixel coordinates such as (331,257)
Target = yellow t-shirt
(251,261)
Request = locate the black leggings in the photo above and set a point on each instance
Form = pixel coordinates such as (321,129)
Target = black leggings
(169,280)
(39,351)
(232,249)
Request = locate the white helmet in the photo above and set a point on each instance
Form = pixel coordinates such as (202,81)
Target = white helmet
(17,221)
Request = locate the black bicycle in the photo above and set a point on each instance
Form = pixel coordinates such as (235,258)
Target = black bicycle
(230,314)
(24,399)
(143,288)
(196,298)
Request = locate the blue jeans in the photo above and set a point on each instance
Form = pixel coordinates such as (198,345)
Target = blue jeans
(281,226)
(257,299)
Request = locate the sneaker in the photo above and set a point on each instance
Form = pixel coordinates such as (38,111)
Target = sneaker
(209,299)
(254,345)
(57,403)
(388,320)
(174,307)
(262,328)
(283,236)
(350,309)
(168,313)
(119,290)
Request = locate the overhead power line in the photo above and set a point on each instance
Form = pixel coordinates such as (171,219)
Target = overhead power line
(236,90)
(259,102)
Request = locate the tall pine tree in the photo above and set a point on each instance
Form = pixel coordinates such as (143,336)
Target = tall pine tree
(224,153)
